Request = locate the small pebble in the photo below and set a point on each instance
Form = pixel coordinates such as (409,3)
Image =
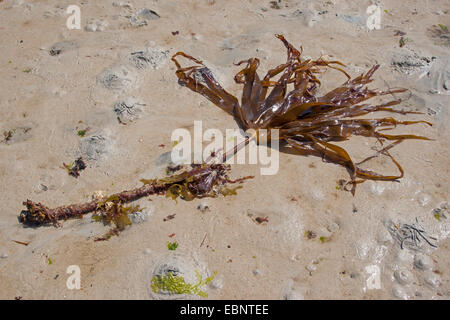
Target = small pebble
(256,272)
(403,276)
(423,262)
(147,251)
(4,256)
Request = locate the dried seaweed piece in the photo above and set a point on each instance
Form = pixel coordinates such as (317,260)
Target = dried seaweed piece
(8,135)
(169,217)
(16,134)
(307,122)
(260,220)
(21,242)
(74,168)
(403,41)
(275,5)
(200,181)
(310,234)
(55,51)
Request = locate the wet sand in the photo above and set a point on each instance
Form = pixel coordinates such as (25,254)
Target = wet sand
(320,242)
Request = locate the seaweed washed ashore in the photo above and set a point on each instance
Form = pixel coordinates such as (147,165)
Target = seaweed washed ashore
(306,122)
(199,181)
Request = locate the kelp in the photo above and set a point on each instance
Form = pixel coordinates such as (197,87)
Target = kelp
(196,181)
(308,123)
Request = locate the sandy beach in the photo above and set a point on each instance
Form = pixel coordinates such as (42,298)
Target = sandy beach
(108,93)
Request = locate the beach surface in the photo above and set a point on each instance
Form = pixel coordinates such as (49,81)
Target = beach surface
(108,93)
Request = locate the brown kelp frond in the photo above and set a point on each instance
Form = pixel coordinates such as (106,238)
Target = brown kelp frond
(205,180)
(200,79)
(307,122)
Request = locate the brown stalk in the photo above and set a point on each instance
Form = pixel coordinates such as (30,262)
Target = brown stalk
(206,180)
(37,213)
